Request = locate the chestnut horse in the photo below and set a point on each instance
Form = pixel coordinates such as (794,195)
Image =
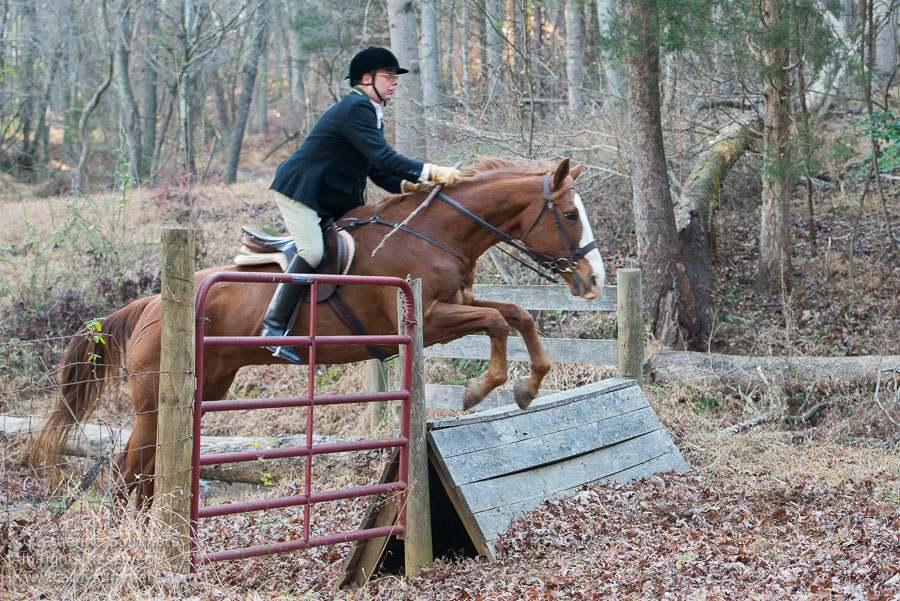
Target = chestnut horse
(523,201)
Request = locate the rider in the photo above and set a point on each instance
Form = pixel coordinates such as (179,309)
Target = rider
(326,176)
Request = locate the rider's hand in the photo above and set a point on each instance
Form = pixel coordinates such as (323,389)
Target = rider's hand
(408,186)
(446,176)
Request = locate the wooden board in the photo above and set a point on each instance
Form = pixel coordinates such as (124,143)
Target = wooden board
(546,298)
(502,463)
(491,466)
(559,350)
(446,396)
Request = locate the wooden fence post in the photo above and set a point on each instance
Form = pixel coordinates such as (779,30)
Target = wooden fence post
(377,377)
(630,323)
(418,549)
(176,391)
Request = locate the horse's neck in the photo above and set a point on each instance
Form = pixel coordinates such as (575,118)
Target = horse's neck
(501,204)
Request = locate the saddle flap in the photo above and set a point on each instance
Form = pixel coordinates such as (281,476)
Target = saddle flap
(260,241)
(332,262)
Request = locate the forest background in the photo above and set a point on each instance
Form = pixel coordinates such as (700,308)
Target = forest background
(743,154)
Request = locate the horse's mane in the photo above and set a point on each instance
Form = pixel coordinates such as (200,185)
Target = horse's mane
(489,167)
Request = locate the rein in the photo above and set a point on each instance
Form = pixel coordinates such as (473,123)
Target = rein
(544,261)
(354,223)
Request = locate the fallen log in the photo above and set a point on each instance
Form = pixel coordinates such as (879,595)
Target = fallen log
(728,372)
(93,440)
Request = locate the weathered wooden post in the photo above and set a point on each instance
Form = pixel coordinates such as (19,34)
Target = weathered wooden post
(630,323)
(176,391)
(417,545)
(377,377)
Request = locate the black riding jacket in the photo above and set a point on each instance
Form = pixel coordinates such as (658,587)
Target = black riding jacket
(328,172)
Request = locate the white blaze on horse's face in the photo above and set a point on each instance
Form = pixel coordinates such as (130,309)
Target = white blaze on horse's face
(587,236)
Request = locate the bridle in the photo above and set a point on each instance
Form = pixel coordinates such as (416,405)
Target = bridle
(548,262)
(556,265)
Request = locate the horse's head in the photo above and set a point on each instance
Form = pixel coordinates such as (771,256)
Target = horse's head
(558,226)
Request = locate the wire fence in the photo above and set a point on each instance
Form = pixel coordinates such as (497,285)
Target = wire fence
(31,389)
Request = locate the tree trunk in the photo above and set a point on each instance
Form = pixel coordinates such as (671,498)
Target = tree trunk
(121,37)
(574,49)
(4,20)
(493,46)
(431,76)
(186,90)
(248,77)
(298,69)
(409,122)
(42,133)
(25,161)
(774,272)
(668,298)
(886,39)
(260,98)
(148,85)
(83,123)
(536,58)
(612,72)
(466,77)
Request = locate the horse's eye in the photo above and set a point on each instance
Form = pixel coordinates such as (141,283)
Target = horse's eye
(571,215)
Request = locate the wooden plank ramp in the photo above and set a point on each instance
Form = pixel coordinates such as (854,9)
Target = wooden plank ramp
(489,467)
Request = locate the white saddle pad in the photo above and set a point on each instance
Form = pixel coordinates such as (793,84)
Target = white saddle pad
(248,257)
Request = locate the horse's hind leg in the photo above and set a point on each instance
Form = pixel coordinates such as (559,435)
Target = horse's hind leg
(448,322)
(130,465)
(525,390)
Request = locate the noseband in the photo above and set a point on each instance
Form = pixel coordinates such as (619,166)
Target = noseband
(553,264)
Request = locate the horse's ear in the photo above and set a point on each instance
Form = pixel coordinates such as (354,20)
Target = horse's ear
(560,174)
(576,170)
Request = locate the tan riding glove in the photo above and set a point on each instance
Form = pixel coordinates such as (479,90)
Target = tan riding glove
(446,176)
(408,186)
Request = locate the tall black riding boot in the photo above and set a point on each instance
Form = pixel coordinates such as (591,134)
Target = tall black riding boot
(283,309)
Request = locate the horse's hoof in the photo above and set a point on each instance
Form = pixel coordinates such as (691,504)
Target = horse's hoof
(472,396)
(522,394)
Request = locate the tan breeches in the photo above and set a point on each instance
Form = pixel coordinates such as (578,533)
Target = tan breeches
(303,224)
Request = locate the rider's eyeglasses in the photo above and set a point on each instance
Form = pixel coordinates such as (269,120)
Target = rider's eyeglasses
(389,76)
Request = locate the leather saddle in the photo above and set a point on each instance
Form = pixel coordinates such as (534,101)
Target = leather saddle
(339,251)
(336,260)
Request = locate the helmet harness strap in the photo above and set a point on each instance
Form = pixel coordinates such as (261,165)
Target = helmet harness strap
(374,87)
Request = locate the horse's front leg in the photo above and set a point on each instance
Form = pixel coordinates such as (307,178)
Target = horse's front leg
(525,390)
(448,322)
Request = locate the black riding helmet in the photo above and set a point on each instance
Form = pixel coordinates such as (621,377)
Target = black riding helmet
(370,60)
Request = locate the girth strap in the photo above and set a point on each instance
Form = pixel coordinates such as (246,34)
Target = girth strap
(345,313)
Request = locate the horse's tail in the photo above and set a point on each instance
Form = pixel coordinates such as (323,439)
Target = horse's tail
(91,361)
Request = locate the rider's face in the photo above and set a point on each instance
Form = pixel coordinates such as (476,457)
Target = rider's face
(385,82)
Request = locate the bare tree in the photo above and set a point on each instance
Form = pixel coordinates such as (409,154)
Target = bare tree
(121,35)
(606,13)
(886,37)
(248,78)
(261,97)
(148,90)
(80,170)
(298,72)
(574,49)
(774,271)
(196,29)
(410,125)
(493,45)
(431,73)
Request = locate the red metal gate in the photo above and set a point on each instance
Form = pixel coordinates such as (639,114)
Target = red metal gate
(310,401)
